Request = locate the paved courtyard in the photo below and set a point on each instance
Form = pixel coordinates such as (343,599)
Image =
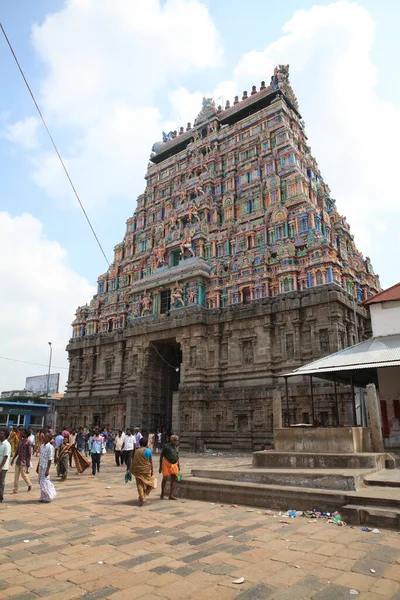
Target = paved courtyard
(94,542)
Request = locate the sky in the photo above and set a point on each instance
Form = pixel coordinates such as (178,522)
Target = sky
(110,76)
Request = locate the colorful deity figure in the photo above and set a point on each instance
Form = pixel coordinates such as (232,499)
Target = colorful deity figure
(159,254)
(177,296)
(136,309)
(192,293)
(146,304)
(193,212)
(186,243)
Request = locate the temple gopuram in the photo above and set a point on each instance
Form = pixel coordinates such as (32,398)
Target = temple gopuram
(235,267)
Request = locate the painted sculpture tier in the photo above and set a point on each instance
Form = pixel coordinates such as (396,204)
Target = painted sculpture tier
(235,209)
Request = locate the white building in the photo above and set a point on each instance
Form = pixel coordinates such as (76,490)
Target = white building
(376,360)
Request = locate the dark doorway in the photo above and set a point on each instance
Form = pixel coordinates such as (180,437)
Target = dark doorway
(165,304)
(163,377)
(246,295)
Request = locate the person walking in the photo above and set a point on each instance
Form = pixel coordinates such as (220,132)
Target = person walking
(13,441)
(5,457)
(39,441)
(22,459)
(142,469)
(58,440)
(63,456)
(72,441)
(118,444)
(46,457)
(80,440)
(138,437)
(169,465)
(96,442)
(128,447)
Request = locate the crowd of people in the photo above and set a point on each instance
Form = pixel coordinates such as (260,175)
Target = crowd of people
(84,449)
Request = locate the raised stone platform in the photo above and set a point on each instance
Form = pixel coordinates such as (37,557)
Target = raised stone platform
(326,439)
(328,479)
(304,460)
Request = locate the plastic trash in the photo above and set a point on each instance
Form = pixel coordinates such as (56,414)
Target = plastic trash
(26,541)
(291,514)
(337,519)
(100,562)
(240,580)
(375,531)
(354,592)
(365,529)
(372,570)
(297,566)
(234,505)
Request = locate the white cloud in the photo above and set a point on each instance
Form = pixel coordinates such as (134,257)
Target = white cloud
(23,133)
(109,160)
(106,62)
(39,295)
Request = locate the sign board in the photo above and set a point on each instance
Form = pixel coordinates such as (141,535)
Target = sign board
(19,411)
(38,384)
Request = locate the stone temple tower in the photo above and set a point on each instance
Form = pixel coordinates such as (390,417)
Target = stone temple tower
(235,267)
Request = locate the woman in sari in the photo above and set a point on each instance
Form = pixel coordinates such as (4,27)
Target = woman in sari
(65,451)
(142,469)
(39,441)
(13,440)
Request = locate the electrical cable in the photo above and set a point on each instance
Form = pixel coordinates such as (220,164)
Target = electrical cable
(30,363)
(53,143)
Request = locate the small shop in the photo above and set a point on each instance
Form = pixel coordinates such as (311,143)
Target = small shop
(23,414)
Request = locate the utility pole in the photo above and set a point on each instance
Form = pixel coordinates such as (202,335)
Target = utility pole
(48,374)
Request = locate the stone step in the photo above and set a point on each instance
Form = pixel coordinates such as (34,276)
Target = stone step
(372,516)
(382,497)
(386,501)
(385,478)
(328,479)
(304,460)
(261,495)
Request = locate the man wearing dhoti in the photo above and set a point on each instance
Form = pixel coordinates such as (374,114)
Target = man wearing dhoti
(47,490)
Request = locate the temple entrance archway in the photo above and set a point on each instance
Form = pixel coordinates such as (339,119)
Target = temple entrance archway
(163,370)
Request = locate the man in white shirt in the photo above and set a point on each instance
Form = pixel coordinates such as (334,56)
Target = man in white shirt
(128,447)
(5,454)
(138,437)
(118,444)
(47,490)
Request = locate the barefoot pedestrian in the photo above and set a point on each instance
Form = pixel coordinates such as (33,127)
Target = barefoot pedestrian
(22,459)
(142,469)
(46,457)
(169,465)
(5,457)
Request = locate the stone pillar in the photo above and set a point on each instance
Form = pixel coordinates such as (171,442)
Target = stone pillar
(277,408)
(175,413)
(374,418)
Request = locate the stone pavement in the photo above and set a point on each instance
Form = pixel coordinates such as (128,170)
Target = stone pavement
(94,542)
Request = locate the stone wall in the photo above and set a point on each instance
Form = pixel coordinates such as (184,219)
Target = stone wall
(229,360)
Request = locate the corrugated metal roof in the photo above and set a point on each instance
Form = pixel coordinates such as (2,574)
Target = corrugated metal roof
(383,351)
(392,293)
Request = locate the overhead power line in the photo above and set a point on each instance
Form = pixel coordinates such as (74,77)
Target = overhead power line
(30,363)
(53,142)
